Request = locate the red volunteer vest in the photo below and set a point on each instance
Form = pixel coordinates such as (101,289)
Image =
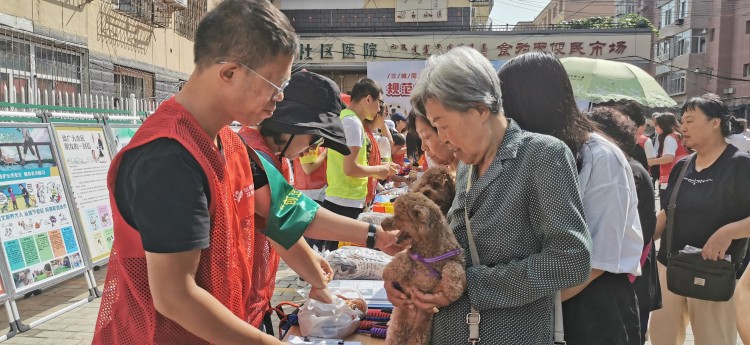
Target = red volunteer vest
(665,169)
(373,159)
(253,138)
(316,180)
(642,141)
(234,268)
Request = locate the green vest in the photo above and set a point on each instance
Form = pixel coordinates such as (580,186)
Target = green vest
(340,185)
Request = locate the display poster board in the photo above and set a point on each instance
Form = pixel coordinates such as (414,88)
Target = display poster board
(121,135)
(397,79)
(86,157)
(36,227)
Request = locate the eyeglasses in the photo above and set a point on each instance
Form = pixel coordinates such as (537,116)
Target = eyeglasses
(314,143)
(279,89)
(382,102)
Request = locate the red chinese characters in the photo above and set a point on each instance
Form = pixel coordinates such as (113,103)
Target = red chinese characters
(596,48)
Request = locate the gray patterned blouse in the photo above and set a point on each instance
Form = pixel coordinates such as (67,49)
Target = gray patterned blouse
(527,219)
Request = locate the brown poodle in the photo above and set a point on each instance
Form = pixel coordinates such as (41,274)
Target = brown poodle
(438,185)
(434,262)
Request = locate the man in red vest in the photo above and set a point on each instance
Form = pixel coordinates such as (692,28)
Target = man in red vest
(187,264)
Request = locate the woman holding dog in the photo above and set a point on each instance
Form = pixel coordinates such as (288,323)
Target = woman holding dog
(518,191)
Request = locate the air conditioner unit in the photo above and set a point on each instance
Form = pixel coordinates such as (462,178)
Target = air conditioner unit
(177,4)
(729,91)
(679,21)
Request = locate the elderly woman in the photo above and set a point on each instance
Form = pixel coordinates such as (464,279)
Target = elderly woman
(519,193)
(604,309)
(712,212)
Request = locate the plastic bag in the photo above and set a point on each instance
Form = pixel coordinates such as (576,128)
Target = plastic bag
(357,263)
(373,217)
(331,321)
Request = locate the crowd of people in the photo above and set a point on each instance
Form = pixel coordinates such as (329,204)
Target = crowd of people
(558,202)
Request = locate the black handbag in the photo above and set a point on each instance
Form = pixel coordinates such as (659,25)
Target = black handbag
(690,275)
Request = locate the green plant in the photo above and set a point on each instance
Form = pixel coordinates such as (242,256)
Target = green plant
(630,20)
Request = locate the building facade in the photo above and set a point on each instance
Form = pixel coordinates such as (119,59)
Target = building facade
(86,48)
(561,10)
(344,58)
(332,16)
(704,46)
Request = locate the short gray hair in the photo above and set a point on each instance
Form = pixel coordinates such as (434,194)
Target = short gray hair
(460,79)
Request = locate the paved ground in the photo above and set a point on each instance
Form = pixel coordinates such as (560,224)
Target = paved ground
(77,326)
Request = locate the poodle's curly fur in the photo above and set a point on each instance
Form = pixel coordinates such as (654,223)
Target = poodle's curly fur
(423,226)
(438,185)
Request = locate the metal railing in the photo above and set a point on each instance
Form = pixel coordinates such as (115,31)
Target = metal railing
(76,103)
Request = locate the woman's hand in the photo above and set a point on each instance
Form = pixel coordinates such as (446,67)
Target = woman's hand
(396,296)
(429,302)
(321,294)
(327,270)
(386,241)
(717,245)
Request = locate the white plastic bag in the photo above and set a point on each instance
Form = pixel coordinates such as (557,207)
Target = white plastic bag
(330,321)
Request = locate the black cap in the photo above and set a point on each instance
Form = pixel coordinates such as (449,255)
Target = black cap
(312,105)
(398,117)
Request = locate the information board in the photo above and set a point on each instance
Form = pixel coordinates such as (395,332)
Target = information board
(121,135)
(86,157)
(36,226)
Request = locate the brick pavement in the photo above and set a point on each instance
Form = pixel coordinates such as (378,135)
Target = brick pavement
(77,326)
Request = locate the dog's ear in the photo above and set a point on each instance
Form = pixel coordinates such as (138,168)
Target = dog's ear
(419,213)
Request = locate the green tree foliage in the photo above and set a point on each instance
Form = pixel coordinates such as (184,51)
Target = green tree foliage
(630,20)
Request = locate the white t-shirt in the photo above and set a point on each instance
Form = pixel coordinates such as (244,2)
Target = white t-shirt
(384,145)
(648,146)
(354,132)
(739,141)
(610,203)
(670,146)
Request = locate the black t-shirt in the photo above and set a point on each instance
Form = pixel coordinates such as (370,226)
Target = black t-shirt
(709,199)
(163,193)
(644,188)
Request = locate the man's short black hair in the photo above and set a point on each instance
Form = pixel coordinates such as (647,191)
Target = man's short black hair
(365,87)
(252,32)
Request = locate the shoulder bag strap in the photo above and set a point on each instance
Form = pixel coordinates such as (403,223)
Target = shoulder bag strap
(473,318)
(673,204)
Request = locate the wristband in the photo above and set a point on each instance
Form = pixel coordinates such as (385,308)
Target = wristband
(371,236)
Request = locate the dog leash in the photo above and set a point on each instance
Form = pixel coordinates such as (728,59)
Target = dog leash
(429,261)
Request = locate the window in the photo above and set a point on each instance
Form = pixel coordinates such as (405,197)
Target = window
(57,70)
(137,82)
(672,82)
(152,12)
(186,21)
(667,14)
(624,7)
(711,34)
(746,70)
(662,50)
(698,41)
(689,41)
(747,27)
(682,10)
